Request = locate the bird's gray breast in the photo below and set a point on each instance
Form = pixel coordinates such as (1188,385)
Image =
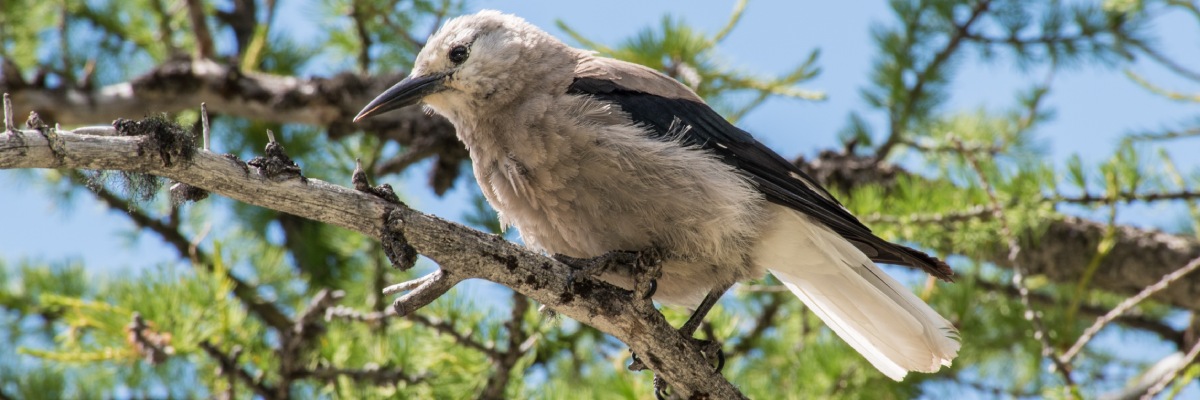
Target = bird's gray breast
(580,180)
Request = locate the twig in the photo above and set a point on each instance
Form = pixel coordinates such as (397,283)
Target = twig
(423,291)
(443,327)
(766,319)
(229,366)
(350,314)
(1128,197)
(1176,134)
(204,130)
(245,292)
(295,341)
(204,40)
(1019,273)
(9,125)
(504,361)
(64,41)
(1168,378)
(971,213)
(370,373)
(437,324)
(364,38)
(1156,326)
(1165,61)
(166,35)
(990,149)
(153,346)
(899,118)
(1048,39)
(1125,305)
(316,308)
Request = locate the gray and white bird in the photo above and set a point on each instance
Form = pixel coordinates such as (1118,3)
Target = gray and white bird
(586,155)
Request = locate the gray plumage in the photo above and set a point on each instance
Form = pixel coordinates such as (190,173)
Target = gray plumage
(586,155)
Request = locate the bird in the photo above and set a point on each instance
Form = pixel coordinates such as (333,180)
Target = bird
(586,155)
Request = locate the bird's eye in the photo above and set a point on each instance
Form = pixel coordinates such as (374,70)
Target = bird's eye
(458,54)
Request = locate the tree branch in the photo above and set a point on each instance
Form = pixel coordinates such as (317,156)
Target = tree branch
(1138,258)
(229,366)
(461,252)
(371,373)
(1019,274)
(204,41)
(1125,305)
(180,84)
(900,118)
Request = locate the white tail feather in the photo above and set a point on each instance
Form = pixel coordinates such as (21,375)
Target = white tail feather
(875,314)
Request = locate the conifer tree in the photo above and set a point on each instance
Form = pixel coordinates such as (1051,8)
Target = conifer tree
(281,297)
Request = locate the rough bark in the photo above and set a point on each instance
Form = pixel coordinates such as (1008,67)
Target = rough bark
(181,84)
(1139,258)
(461,252)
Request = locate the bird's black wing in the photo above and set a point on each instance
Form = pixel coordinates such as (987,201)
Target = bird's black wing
(779,180)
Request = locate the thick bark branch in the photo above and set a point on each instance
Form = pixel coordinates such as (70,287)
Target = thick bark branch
(462,252)
(181,84)
(1139,258)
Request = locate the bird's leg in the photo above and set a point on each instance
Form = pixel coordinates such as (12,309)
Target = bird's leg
(626,263)
(710,349)
(702,310)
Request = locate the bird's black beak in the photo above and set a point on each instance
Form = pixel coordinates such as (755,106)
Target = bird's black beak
(408,92)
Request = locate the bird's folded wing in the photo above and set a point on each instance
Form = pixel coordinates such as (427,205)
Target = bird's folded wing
(660,104)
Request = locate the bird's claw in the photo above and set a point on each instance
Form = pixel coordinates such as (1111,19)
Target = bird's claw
(636,264)
(711,350)
(648,268)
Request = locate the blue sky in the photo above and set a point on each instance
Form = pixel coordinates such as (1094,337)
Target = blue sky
(1094,106)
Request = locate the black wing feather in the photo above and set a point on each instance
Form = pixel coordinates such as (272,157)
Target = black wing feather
(779,180)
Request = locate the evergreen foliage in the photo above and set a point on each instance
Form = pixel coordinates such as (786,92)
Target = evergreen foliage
(242,293)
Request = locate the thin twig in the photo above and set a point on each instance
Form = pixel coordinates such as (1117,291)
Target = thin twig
(245,292)
(971,213)
(988,149)
(166,35)
(370,373)
(204,40)
(1135,321)
(229,366)
(1176,134)
(766,319)
(1128,197)
(364,37)
(9,124)
(1019,273)
(64,24)
(446,328)
(350,314)
(498,381)
(1048,39)
(900,118)
(204,129)
(1170,377)
(1165,61)
(1125,305)
(438,325)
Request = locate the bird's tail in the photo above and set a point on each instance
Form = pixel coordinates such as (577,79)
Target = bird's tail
(875,314)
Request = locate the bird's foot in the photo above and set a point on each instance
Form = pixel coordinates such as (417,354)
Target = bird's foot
(711,350)
(638,264)
(647,270)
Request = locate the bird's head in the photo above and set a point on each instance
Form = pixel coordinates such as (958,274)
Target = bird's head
(489,58)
